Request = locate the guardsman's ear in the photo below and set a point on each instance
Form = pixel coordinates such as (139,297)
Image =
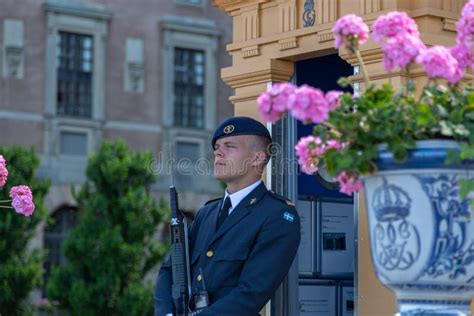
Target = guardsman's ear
(260,160)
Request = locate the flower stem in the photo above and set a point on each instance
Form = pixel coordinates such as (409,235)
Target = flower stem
(362,68)
(3,206)
(407,73)
(430,80)
(5,201)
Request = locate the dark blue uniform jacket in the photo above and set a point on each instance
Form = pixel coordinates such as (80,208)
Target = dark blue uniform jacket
(243,262)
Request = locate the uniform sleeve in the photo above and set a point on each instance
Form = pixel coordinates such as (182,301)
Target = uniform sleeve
(276,246)
(162,295)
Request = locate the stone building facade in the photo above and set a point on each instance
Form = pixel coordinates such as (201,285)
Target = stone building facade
(76,72)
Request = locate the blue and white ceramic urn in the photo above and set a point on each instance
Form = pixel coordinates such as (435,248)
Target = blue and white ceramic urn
(421,231)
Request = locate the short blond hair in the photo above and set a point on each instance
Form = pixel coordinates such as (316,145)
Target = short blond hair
(261,143)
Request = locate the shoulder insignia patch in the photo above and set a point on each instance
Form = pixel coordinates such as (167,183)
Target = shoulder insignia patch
(281,198)
(289,217)
(213,200)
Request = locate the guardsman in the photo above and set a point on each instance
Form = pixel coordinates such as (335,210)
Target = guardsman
(241,245)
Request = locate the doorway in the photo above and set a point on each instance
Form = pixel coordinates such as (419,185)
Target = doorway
(321,281)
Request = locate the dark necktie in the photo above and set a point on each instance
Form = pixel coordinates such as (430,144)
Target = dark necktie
(224,212)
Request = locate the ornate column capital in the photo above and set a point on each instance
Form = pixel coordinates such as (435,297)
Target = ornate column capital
(251,79)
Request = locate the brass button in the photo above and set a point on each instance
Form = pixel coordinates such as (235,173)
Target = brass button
(210,253)
(199,278)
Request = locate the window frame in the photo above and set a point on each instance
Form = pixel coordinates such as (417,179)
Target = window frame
(195,34)
(187,85)
(74,73)
(190,140)
(81,20)
(72,129)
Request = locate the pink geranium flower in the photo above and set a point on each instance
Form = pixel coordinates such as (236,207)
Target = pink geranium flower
(393,24)
(3,171)
(310,148)
(462,55)
(439,63)
(348,184)
(334,143)
(400,51)
(350,30)
(306,153)
(308,104)
(468,9)
(22,200)
(333,99)
(273,103)
(464,58)
(465,30)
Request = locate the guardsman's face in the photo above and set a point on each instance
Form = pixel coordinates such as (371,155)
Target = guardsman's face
(232,157)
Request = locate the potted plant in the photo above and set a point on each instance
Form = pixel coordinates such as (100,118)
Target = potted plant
(412,151)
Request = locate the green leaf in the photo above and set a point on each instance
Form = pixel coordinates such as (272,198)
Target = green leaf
(461,130)
(453,157)
(465,187)
(442,112)
(467,152)
(424,115)
(344,82)
(446,129)
(469,115)
(470,99)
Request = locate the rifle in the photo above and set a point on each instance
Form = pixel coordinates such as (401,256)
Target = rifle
(181,287)
(180,263)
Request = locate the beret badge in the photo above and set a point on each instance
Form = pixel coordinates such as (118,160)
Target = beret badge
(229,129)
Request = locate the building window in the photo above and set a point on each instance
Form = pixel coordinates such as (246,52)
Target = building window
(190,50)
(189,79)
(74,83)
(54,235)
(73,143)
(189,165)
(189,151)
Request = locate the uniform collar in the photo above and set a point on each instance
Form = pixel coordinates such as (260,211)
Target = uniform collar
(238,196)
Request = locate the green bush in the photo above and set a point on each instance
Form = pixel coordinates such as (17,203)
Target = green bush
(112,248)
(20,269)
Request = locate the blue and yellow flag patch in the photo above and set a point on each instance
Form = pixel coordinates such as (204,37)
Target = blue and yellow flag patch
(289,217)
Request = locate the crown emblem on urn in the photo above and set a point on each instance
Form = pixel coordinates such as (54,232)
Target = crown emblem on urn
(390,202)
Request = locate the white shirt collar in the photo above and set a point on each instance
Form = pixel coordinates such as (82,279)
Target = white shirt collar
(238,196)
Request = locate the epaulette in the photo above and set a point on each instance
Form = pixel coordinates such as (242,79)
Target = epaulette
(281,198)
(210,201)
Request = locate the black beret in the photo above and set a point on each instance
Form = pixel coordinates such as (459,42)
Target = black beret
(240,125)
